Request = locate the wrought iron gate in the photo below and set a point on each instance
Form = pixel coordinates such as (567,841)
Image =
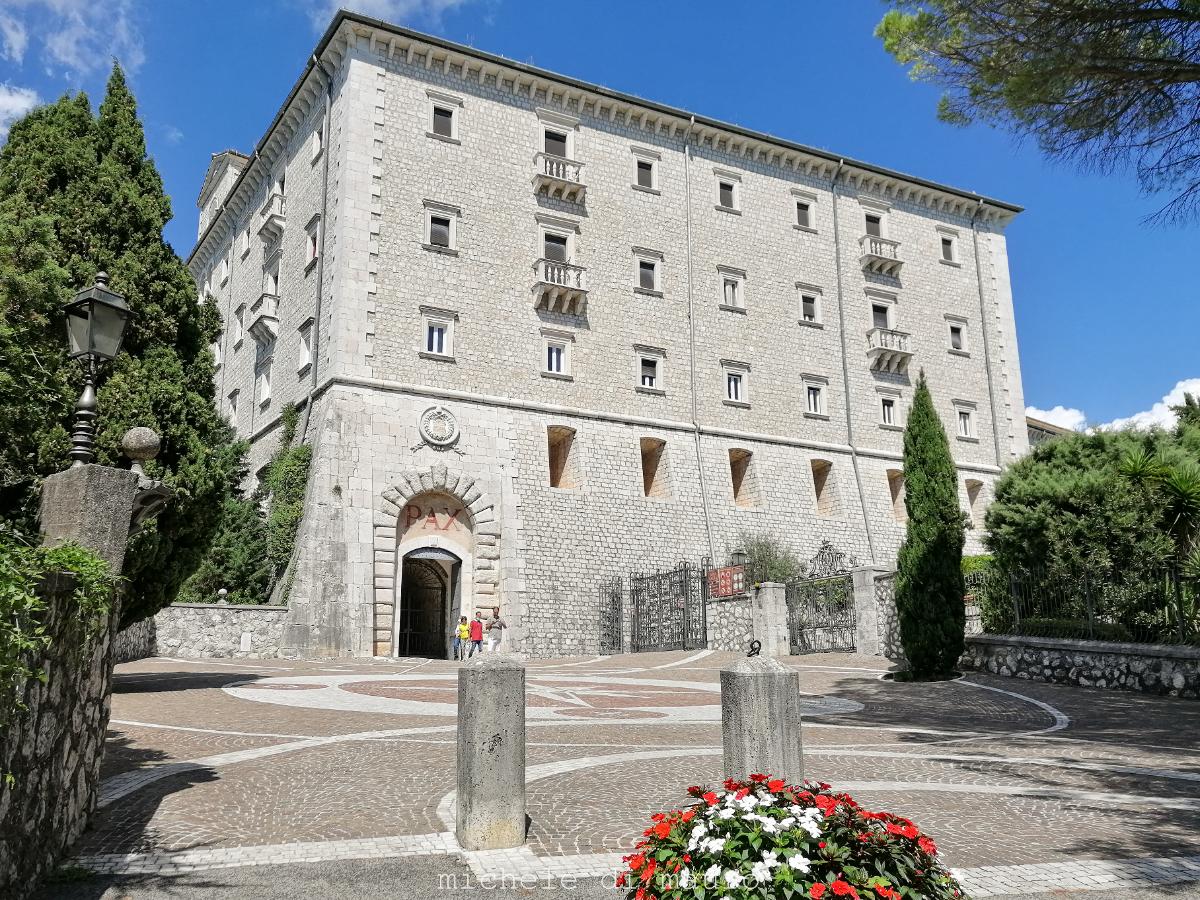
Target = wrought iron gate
(821,604)
(612,608)
(667,609)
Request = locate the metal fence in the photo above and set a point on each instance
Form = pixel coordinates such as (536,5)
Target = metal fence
(1153,607)
(668,609)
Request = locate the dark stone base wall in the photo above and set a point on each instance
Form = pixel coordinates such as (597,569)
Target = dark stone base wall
(1146,668)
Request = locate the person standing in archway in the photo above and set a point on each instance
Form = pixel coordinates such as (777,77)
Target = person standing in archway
(495,630)
(462,634)
(476,635)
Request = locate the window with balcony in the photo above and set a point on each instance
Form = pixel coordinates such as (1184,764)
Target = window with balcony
(737,382)
(881,315)
(556,353)
(563,457)
(744,479)
(874,224)
(559,284)
(825,489)
(651,362)
(555,143)
(896,490)
(814,396)
(555,247)
(656,475)
(305,357)
(437,338)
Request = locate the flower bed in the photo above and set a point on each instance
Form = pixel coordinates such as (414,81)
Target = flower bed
(766,838)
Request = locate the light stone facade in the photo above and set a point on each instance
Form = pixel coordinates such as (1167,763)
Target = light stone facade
(361,194)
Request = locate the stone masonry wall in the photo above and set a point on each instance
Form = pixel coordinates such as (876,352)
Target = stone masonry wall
(52,748)
(1150,669)
(215,631)
(730,624)
(135,642)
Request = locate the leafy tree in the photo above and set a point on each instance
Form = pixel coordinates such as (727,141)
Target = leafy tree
(1109,83)
(1187,413)
(78,194)
(929,578)
(768,558)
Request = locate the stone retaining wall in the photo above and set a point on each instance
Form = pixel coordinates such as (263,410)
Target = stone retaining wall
(1148,668)
(135,642)
(215,630)
(730,624)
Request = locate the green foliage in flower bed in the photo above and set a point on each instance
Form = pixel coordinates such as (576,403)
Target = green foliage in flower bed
(23,608)
(764,838)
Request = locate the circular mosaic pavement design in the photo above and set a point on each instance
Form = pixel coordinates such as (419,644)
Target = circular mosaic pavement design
(579,698)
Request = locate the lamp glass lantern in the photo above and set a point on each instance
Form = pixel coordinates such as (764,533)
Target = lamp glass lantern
(96,322)
(739,557)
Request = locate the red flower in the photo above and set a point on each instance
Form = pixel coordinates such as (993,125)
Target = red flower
(688,816)
(821,844)
(741,793)
(909,831)
(636,862)
(775,784)
(758,778)
(687,857)
(817,891)
(927,845)
(843,889)
(621,880)
(641,894)
(893,828)
(887,893)
(710,798)
(662,829)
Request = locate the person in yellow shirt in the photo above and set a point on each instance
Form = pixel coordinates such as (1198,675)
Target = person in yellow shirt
(462,635)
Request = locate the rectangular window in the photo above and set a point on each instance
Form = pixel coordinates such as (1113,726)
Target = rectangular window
(645,173)
(318,143)
(948,249)
(225,270)
(956,337)
(874,224)
(887,410)
(264,382)
(435,338)
(733,294)
(816,399)
(312,242)
(439,231)
(556,143)
(306,345)
(232,405)
(734,387)
(804,214)
(245,242)
(239,325)
(726,194)
(966,425)
(271,278)
(554,247)
(808,308)
(649,372)
(880,316)
(647,274)
(443,121)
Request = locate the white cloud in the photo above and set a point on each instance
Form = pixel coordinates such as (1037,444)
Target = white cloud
(1062,416)
(14,37)
(78,36)
(1160,413)
(172,134)
(428,11)
(14,103)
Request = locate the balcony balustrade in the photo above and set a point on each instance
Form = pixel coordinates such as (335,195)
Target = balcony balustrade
(274,216)
(560,287)
(559,177)
(264,318)
(888,350)
(879,255)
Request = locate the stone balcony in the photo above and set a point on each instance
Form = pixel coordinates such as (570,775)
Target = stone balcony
(879,255)
(560,287)
(274,216)
(264,318)
(559,177)
(888,350)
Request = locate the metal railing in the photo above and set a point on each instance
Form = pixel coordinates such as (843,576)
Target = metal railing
(559,167)
(887,339)
(562,274)
(885,248)
(1154,606)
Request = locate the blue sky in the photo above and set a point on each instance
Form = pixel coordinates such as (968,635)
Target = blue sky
(1106,306)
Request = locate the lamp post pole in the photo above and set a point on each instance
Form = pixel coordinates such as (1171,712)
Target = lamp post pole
(83,435)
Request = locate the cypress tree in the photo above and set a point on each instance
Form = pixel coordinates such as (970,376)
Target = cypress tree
(929,581)
(84,192)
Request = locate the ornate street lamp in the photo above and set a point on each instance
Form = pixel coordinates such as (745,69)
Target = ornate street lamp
(739,558)
(96,322)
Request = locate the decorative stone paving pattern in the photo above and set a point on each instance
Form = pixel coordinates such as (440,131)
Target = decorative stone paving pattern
(1091,874)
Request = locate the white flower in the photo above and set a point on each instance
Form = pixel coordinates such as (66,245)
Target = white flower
(769,826)
(715,845)
(760,872)
(725,814)
(813,829)
(771,858)
(733,879)
(800,863)
(748,802)
(787,823)
(796,810)
(685,878)
(712,873)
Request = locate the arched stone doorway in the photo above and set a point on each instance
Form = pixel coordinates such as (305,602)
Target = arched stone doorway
(427,510)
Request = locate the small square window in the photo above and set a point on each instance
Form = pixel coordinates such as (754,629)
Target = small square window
(437,336)
(647,274)
(443,121)
(556,143)
(887,411)
(804,214)
(733,288)
(737,382)
(726,194)
(645,173)
(554,246)
(439,231)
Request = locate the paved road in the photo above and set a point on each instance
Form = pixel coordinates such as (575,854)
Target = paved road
(218,770)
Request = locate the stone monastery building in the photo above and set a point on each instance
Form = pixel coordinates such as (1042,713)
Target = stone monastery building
(543,334)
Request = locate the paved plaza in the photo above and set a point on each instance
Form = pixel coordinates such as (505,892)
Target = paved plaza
(304,779)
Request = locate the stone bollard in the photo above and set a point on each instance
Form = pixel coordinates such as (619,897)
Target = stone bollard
(769,619)
(491,753)
(760,719)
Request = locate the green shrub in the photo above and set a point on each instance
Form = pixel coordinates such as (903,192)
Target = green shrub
(1073,628)
(980,562)
(768,558)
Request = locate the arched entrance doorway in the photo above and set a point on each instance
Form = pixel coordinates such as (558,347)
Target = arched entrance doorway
(434,554)
(428,578)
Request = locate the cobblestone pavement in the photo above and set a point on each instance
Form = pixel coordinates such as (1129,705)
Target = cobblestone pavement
(222,765)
